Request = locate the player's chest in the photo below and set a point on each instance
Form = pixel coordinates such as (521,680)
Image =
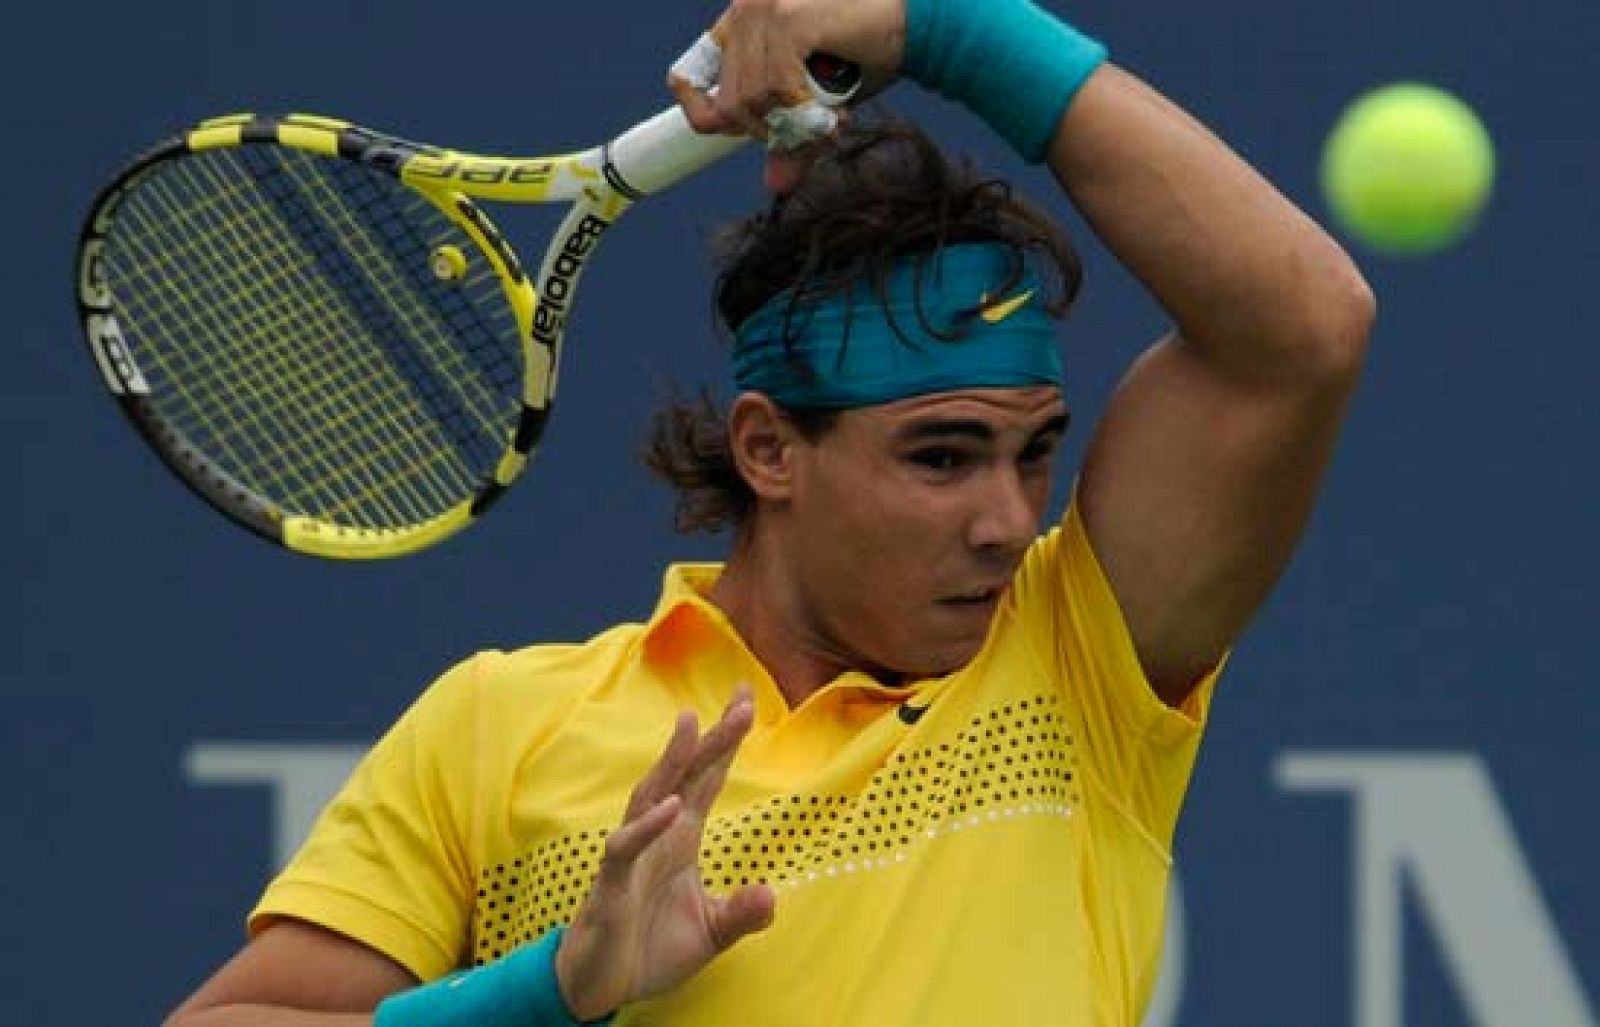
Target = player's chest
(887,798)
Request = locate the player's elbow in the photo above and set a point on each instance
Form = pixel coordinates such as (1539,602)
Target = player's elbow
(1353,317)
(1338,313)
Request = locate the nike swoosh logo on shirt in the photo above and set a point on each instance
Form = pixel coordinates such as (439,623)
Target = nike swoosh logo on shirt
(910,714)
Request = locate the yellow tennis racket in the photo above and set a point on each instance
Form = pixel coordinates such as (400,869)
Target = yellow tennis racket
(322,334)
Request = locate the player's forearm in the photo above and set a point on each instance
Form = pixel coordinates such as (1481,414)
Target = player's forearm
(1250,280)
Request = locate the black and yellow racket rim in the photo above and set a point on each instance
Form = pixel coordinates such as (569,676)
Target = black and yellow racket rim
(339,360)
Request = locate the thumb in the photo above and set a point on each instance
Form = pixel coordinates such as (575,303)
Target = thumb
(747,910)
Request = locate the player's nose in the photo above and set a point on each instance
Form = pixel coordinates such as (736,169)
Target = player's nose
(1004,519)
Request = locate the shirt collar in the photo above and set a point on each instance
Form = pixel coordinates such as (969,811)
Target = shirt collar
(685,621)
(688,627)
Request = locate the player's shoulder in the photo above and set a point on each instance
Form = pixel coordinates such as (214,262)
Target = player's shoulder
(547,672)
(1051,558)
(496,704)
(1061,585)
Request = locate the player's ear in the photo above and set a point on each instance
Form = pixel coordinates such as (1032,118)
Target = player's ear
(761,441)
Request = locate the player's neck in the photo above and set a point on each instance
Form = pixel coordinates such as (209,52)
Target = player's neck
(760,600)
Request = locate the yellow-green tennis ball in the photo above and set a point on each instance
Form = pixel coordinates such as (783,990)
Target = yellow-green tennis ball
(1408,168)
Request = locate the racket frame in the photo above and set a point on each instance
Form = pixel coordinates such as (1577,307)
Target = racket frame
(600,184)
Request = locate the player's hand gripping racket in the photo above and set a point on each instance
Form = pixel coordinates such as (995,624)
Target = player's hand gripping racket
(323,335)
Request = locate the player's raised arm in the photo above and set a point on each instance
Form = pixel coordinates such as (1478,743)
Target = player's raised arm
(1203,471)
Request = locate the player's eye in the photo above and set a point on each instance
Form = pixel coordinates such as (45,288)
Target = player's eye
(939,458)
(1038,452)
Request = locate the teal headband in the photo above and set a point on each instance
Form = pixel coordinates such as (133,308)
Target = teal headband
(857,349)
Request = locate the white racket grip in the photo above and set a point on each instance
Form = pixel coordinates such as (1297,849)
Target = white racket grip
(666,149)
(662,151)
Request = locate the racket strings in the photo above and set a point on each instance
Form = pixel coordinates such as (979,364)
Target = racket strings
(242,427)
(285,309)
(294,420)
(273,441)
(395,239)
(409,455)
(412,452)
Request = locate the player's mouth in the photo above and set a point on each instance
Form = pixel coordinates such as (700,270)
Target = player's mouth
(976,599)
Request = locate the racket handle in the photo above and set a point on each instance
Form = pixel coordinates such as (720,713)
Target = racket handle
(662,151)
(666,149)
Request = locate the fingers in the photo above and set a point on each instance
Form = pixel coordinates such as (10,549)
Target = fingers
(701,110)
(692,768)
(748,75)
(692,79)
(628,842)
(662,779)
(705,778)
(745,911)
(723,739)
(762,69)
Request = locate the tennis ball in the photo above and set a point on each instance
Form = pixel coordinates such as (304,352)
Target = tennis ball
(1407,168)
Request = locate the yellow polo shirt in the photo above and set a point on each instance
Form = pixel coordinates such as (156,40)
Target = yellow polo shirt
(987,847)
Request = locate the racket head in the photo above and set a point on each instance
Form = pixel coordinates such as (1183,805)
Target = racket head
(318,331)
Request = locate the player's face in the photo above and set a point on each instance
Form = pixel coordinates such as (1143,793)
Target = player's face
(911,517)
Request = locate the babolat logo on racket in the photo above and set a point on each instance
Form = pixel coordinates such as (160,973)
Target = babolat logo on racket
(487,172)
(555,292)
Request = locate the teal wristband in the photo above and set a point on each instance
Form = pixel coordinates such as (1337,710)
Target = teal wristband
(1014,65)
(519,990)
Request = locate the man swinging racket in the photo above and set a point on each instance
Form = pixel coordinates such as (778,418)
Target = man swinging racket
(946,753)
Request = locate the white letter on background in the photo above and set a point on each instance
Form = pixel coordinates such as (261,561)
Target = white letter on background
(1437,818)
(302,778)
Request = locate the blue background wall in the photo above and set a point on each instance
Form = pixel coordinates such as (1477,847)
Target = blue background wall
(1441,603)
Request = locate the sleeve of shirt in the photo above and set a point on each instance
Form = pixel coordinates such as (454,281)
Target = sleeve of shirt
(1140,750)
(389,862)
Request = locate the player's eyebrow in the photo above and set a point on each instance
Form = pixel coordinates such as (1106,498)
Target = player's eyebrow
(971,428)
(1057,425)
(946,427)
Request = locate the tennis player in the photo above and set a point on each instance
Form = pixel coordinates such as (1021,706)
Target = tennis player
(946,752)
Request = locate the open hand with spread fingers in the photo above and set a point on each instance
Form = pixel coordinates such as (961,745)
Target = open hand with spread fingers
(649,924)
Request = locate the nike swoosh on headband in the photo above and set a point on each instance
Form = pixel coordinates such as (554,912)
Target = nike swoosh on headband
(994,313)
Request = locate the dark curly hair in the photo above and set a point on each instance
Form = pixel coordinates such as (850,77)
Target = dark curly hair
(882,193)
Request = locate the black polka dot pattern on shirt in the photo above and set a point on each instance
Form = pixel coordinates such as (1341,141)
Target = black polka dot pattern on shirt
(1013,760)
